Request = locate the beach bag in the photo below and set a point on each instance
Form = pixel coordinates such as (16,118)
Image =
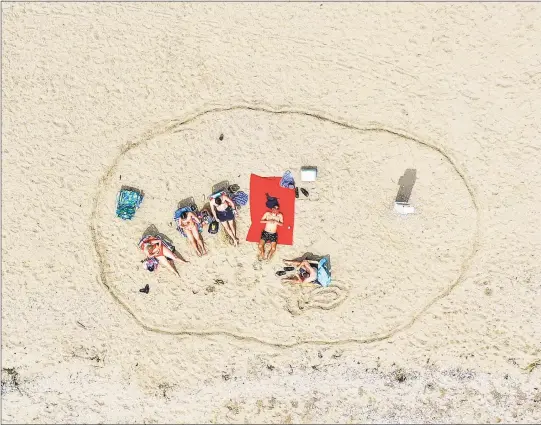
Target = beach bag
(240,198)
(151,264)
(287,180)
(214,227)
(205,217)
(127,202)
(323,272)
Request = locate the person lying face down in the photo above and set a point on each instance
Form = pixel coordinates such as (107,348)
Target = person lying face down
(305,273)
(272,220)
(224,210)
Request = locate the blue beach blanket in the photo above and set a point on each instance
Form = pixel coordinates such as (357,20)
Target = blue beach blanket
(127,202)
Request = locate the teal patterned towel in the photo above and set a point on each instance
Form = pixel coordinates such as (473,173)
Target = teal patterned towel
(127,202)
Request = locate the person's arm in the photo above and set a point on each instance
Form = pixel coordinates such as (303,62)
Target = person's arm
(213,210)
(229,201)
(306,265)
(264,218)
(280,221)
(195,218)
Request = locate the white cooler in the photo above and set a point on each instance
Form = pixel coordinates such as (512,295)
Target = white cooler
(308,174)
(403,208)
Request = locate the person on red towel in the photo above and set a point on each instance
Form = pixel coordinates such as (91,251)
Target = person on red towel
(272,219)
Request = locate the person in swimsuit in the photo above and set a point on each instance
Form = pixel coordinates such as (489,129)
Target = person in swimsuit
(305,272)
(224,210)
(272,219)
(189,223)
(158,253)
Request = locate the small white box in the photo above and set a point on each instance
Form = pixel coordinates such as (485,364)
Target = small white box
(403,208)
(308,174)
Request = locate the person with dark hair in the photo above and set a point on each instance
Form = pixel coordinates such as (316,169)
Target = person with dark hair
(306,273)
(272,219)
(189,225)
(224,209)
(158,253)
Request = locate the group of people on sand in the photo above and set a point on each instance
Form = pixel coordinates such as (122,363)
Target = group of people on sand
(158,253)
(224,211)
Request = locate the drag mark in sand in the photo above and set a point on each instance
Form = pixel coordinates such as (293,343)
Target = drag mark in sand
(178,125)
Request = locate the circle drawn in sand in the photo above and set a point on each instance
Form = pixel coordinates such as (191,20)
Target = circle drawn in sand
(388,270)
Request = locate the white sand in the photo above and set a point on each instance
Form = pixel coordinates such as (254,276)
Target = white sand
(433,317)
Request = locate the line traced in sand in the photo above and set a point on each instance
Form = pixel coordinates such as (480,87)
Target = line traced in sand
(176,125)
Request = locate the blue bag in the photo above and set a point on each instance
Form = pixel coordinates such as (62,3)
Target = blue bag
(240,198)
(287,180)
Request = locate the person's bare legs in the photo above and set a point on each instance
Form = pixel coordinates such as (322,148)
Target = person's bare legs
(292,279)
(261,254)
(197,236)
(190,237)
(272,250)
(170,254)
(169,263)
(234,228)
(227,227)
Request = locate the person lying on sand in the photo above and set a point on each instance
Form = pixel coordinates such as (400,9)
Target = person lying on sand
(272,220)
(189,223)
(157,253)
(224,210)
(305,272)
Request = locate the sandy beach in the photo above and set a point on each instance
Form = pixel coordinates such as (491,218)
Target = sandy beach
(430,317)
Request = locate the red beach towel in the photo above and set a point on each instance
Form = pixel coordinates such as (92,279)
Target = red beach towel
(259,187)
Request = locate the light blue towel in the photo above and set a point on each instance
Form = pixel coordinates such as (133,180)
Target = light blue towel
(287,180)
(323,272)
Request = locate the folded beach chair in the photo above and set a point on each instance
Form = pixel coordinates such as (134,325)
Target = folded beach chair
(127,202)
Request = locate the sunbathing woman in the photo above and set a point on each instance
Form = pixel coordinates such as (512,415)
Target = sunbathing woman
(223,209)
(272,220)
(158,253)
(189,223)
(305,273)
